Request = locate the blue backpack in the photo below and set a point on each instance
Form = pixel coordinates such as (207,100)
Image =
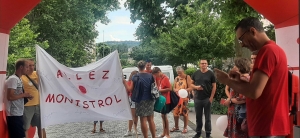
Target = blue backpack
(138,89)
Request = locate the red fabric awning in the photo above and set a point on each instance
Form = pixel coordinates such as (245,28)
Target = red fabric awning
(281,13)
(12,11)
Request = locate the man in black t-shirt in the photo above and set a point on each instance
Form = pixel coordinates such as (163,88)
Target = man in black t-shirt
(204,85)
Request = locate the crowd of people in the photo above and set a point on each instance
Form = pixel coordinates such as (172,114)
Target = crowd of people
(202,81)
(257,105)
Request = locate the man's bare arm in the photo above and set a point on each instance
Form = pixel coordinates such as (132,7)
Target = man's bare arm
(194,87)
(165,90)
(213,91)
(128,87)
(11,95)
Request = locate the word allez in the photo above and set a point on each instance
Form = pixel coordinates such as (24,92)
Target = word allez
(91,75)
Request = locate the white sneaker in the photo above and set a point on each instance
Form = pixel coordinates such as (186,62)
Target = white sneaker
(128,133)
(138,133)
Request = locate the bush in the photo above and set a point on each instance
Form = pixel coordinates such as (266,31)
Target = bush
(125,63)
(190,71)
(217,108)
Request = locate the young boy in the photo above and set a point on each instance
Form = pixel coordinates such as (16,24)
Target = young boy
(101,128)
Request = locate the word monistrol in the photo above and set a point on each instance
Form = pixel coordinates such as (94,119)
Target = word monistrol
(60,98)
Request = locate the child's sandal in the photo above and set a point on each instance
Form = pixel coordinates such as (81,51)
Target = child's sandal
(93,131)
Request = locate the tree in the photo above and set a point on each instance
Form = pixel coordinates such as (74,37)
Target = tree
(69,27)
(152,14)
(102,50)
(270,31)
(122,48)
(22,44)
(198,34)
(232,11)
(145,53)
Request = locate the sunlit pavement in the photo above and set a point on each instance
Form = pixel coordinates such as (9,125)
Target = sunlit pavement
(114,129)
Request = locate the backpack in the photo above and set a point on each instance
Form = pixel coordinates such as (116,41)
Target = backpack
(138,89)
(160,104)
(174,100)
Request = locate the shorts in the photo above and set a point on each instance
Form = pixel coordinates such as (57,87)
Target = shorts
(145,108)
(95,122)
(15,126)
(166,109)
(32,116)
(131,103)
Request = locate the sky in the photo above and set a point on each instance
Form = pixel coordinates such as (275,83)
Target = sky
(119,28)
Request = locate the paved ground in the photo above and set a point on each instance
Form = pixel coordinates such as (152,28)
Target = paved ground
(215,133)
(114,129)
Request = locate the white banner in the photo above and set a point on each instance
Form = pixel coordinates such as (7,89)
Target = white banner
(90,93)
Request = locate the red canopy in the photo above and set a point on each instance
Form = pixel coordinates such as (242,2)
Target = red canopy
(281,13)
(12,11)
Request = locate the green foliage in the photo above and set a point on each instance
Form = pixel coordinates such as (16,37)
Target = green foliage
(127,43)
(218,109)
(220,92)
(102,50)
(270,31)
(151,13)
(125,63)
(198,34)
(69,27)
(194,29)
(190,71)
(148,52)
(122,48)
(232,11)
(22,44)
(124,56)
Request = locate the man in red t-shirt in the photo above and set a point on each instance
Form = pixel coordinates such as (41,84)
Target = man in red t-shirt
(267,91)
